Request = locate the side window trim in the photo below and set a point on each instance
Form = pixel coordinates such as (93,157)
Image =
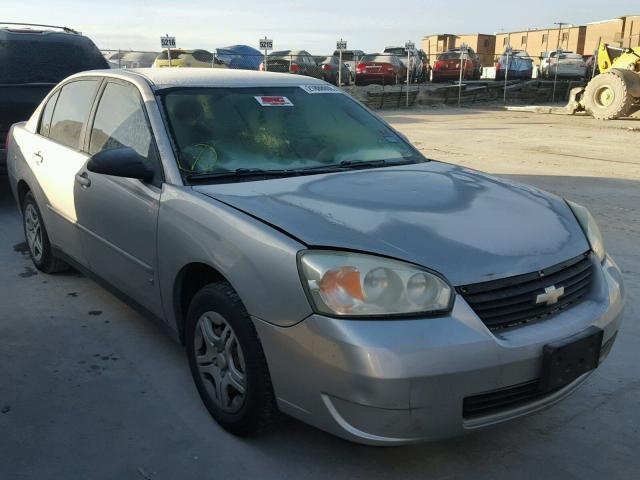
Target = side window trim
(55,93)
(86,139)
(80,147)
(92,117)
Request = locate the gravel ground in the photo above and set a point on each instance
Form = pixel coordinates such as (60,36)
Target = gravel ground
(90,390)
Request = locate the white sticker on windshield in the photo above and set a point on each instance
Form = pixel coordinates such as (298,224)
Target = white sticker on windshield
(320,89)
(273,101)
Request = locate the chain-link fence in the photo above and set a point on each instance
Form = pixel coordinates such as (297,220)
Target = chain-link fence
(397,78)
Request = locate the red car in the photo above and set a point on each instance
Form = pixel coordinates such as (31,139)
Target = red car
(447,66)
(382,69)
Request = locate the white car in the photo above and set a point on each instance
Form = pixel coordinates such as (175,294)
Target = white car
(567,64)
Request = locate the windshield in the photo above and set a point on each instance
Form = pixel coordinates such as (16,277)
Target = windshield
(276,128)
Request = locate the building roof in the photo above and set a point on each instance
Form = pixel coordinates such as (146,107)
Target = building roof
(564,27)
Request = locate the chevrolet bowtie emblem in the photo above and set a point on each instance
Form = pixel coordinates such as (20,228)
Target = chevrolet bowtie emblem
(550,296)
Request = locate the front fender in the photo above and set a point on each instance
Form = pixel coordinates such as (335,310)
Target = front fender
(258,261)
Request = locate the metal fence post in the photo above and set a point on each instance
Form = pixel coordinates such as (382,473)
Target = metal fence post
(340,70)
(595,57)
(462,57)
(506,73)
(555,77)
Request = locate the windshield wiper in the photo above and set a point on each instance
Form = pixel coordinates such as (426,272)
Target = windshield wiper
(258,172)
(238,172)
(352,164)
(254,172)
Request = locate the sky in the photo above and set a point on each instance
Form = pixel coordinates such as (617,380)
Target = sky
(315,26)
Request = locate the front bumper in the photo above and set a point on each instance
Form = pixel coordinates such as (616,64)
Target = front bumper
(402,381)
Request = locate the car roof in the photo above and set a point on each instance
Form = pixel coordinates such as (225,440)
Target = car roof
(160,78)
(288,52)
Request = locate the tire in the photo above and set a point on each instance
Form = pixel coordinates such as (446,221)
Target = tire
(606,97)
(37,238)
(232,358)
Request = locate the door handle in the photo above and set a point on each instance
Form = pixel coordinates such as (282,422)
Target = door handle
(39,158)
(83,179)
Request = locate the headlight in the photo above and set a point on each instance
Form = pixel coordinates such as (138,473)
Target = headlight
(355,284)
(590,228)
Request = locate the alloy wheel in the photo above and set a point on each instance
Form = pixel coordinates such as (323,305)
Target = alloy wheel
(220,362)
(33,230)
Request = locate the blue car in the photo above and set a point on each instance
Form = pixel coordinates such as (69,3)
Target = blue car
(520,65)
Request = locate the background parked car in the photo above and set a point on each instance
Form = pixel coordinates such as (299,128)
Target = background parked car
(350,58)
(520,65)
(447,66)
(426,66)
(188,58)
(382,69)
(414,62)
(568,65)
(241,57)
(138,59)
(32,61)
(330,66)
(299,62)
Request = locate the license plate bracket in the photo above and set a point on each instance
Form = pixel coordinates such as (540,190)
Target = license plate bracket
(567,359)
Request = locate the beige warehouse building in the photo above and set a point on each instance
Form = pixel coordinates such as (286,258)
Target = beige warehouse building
(536,42)
(583,39)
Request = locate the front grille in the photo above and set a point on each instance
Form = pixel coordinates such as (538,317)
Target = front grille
(511,301)
(503,399)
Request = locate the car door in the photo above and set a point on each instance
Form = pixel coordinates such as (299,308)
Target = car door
(56,158)
(118,216)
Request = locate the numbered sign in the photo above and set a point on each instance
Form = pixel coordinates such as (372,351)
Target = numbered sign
(409,46)
(266,44)
(167,42)
(341,45)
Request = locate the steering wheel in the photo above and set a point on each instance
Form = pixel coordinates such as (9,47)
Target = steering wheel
(198,158)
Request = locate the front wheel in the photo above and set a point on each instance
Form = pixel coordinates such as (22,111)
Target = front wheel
(606,96)
(227,361)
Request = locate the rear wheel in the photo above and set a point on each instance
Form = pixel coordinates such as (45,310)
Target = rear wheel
(607,97)
(227,361)
(37,238)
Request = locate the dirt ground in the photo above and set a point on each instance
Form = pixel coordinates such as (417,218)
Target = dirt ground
(91,390)
(511,142)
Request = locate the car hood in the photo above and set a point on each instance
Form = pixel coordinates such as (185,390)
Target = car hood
(469,226)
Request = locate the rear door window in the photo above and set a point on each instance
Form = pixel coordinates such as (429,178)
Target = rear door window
(45,121)
(71,112)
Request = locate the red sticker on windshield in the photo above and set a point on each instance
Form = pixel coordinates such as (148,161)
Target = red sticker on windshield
(273,101)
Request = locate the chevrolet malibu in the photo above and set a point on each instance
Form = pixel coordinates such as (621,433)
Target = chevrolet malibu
(312,261)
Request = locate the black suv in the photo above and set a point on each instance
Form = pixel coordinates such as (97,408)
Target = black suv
(33,59)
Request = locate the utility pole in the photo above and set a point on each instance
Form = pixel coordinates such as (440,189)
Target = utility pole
(555,78)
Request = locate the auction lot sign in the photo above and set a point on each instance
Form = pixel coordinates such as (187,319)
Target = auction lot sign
(167,42)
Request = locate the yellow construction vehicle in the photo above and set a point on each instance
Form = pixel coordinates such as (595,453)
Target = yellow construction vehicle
(615,91)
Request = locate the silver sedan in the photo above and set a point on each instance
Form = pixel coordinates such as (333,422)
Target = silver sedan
(310,259)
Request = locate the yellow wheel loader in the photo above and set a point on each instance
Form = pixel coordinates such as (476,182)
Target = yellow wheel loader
(615,91)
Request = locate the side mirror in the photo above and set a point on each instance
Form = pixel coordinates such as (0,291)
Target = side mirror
(120,162)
